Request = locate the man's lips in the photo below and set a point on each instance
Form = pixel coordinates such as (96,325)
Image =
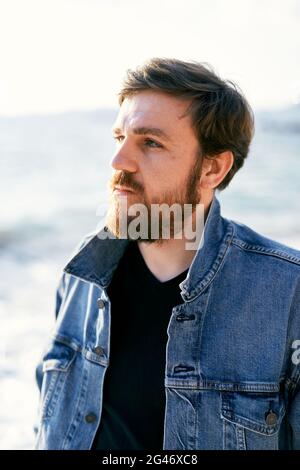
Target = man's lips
(122,190)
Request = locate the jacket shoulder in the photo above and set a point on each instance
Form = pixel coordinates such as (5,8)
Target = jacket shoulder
(66,278)
(249,240)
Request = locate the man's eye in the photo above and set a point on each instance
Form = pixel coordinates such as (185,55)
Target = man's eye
(152,143)
(118,137)
(148,142)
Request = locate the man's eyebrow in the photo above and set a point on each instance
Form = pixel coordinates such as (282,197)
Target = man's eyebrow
(144,131)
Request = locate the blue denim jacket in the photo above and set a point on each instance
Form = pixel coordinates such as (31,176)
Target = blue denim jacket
(232,373)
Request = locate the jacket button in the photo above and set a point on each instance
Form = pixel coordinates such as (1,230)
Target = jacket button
(98,350)
(90,418)
(271,418)
(100,303)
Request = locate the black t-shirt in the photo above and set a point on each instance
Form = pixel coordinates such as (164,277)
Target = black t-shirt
(134,394)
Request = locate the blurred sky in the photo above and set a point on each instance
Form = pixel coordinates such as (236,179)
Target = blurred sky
(58,55)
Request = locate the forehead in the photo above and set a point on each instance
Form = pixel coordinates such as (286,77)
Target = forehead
(154,108)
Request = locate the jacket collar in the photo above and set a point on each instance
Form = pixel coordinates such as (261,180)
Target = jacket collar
(213,247)
(99,257)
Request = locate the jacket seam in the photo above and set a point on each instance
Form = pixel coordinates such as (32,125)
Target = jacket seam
(260,249)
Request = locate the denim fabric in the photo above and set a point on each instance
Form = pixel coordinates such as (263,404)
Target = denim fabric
(232,366)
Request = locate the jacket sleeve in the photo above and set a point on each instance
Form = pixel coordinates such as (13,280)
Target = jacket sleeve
(293,410)
(60,293)
(58,300)
(39,367)
(294,419)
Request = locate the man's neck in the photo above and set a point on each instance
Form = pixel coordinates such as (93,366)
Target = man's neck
(170,258)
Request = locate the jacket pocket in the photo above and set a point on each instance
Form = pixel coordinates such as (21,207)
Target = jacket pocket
(251,420)
(55,366)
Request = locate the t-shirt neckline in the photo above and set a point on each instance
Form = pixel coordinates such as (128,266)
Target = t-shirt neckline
(152,278)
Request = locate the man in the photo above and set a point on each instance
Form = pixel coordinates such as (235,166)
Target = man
(157,346)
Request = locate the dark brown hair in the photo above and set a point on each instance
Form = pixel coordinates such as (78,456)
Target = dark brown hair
(221,116)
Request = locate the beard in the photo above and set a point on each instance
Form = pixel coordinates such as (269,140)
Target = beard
(168,223)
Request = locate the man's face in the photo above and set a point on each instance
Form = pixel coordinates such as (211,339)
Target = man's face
(157,154)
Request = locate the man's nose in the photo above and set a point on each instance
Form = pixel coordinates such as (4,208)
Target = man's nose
(123,159)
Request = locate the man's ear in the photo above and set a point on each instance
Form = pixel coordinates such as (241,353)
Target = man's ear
(214,169)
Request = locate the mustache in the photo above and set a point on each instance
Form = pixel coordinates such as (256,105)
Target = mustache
(124,178)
